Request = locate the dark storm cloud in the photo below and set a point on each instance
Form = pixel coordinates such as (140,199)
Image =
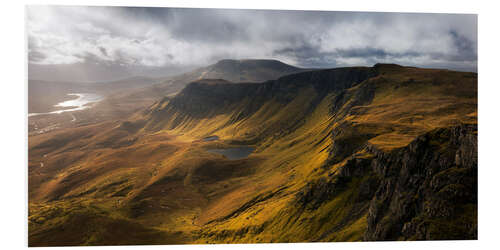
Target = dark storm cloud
(103,51)
(466,48)
(162,37)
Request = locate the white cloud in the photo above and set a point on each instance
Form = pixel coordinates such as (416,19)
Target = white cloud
(162,37)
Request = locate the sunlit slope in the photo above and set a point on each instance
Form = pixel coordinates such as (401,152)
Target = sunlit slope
(387,105)
(322,140)
(298,127)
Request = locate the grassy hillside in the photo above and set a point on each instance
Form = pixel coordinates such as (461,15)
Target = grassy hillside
(329,145)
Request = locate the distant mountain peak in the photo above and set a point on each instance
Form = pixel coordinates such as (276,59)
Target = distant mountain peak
(246,70)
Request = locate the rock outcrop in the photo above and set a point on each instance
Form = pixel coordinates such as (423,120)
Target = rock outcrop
(428,190)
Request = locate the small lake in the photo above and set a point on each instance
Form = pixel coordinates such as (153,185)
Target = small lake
(211,138)
(79,103)
(233,153)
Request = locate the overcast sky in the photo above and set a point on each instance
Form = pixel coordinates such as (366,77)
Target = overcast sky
(168,37)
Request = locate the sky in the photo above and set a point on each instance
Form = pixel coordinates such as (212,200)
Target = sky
(138,41)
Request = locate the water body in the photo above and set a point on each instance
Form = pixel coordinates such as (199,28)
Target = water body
(233,153)
(211,138)
(79,103)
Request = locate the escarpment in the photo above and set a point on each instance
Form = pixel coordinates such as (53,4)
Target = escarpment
(348,154)
(205,99)
(384,170)
(424,191)
(427,190)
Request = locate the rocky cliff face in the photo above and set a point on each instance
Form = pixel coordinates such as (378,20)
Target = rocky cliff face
(425,191)
(204,98)
(428,190)
(209,97)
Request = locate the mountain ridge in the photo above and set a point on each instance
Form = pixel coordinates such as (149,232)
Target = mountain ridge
(329,146)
